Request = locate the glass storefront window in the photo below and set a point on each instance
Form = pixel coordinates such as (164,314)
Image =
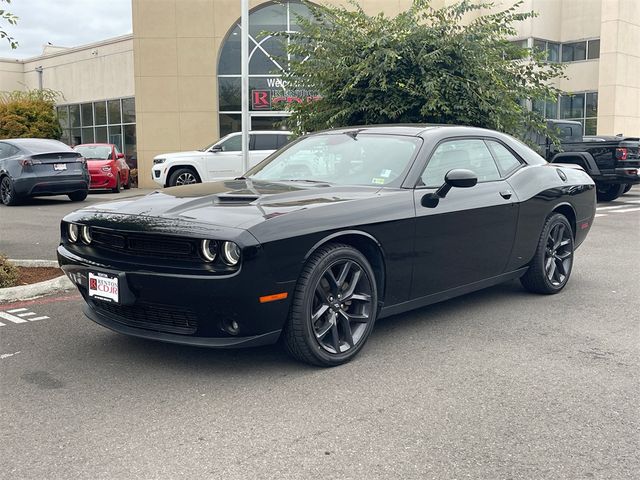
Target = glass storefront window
(128,110)
(101,134)
(113,108)
(130,148)
(230,123)
(229,93)
(100,109)
(86,113)
(63,116)
(87,135)
(74,116)
(115,135)
(572,106)
(590,126)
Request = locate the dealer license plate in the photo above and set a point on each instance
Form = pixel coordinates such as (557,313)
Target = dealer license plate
(104,287)
(59,166)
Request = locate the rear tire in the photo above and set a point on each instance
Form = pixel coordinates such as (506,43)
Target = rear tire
(550,269)
(8,194)
(183,176)
(127,185)
(627,187)
(334,307)
(116,189)
(78,196)
(609,192)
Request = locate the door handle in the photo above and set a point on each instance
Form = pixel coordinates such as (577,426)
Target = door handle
(506,194)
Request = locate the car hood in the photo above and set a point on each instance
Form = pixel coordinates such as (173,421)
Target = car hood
(175,155)
(236,203)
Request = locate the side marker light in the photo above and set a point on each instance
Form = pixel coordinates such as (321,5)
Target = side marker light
(273,298)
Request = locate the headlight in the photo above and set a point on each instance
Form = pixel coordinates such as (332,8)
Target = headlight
(85,234)
(209,250)
(72,232)
(158,160)
(230,253)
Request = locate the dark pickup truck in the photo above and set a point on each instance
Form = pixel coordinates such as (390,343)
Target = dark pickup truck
(612,161)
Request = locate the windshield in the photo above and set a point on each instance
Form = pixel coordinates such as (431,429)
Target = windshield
(343,159)
(94,152)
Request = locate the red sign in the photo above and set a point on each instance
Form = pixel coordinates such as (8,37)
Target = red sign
(261,100)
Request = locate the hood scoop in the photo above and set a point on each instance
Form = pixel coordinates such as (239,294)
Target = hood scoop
(234,199)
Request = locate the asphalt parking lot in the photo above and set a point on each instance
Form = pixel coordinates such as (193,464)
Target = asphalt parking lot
(500,384)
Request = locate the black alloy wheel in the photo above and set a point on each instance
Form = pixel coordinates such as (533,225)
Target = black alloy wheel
(552,263)
(183,176)
(334,307)
(7,192)
(609,192)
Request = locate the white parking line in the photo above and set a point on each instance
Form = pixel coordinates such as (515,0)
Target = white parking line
(28,314)
(610,208)
(17,310)
(627,210)
(37,318)
(11,318)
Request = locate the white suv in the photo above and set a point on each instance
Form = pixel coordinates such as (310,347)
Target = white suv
(219,161)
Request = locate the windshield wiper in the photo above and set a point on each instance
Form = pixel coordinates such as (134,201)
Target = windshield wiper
(302,180)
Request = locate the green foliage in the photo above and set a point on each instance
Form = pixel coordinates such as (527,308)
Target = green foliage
(425,65)
(29,114)
(8,273)
(11,19)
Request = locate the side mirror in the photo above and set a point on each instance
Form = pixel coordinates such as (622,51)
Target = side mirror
(458,177)
(216,149)
(120,155)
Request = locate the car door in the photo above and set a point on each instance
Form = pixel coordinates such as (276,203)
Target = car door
(261,146)
(224,159)
(469,234)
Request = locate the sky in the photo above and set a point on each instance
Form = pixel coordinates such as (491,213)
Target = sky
(66,23)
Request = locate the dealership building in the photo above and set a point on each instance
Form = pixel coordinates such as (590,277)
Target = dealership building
(174,84)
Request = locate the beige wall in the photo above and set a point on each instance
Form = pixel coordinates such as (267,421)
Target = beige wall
(619,88)
(97,71)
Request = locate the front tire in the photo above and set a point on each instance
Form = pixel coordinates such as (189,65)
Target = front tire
(8,194)
(334,307)
(609,192)
(551,266)
(78,196)
(116,189)
(183,176)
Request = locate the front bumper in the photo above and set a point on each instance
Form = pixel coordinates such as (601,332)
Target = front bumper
(100,179)
(159,174)
(185,308)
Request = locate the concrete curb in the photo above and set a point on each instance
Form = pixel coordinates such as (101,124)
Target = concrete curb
(27,292)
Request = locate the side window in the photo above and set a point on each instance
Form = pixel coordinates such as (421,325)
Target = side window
(266,142)
(471,154)
(506,161)
(4,150)
(233,144)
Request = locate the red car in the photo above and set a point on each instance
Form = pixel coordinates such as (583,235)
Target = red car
(107,166)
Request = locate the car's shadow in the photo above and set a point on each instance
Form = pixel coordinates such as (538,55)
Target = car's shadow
(272,359)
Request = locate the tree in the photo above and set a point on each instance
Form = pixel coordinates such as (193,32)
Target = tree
(12,20)
(29,113)
(425,65)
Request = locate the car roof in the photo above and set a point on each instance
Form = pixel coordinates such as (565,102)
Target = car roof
(412,129)
(38,145)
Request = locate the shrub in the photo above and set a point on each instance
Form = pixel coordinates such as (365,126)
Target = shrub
(8,273)
(29,114)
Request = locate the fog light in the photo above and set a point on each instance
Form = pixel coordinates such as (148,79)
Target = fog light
(72,232)
(209,250)
(230,253)
(85,234)
(231,327)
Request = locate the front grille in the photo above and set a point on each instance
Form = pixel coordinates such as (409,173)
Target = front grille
(150,316)
(145,245)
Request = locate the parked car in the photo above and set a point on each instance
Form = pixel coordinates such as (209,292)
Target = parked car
(612,161)
(107,166)
(332,232)
(31,167)
(219,161)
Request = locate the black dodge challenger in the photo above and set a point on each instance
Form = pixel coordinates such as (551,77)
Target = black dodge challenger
(327,235)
